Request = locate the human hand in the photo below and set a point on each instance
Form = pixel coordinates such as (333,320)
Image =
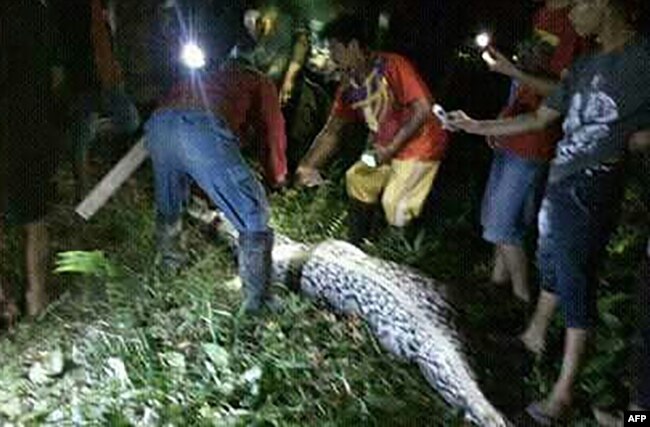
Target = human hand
(493,142)
(384,154)
(286,92)
(307,176)
(279,184)
(500,64)
(458,120)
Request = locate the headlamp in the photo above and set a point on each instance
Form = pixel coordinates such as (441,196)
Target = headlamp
(192,56)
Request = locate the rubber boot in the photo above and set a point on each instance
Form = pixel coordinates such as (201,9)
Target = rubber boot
(360,221)
(255,269)
(169,248)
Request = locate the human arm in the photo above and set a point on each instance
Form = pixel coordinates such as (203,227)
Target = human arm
(502,65)
(272,132)
(543,117)
(323,146)
(300,50)
(420,110)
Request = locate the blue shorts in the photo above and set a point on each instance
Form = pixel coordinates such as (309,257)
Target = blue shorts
(194,144)
(511,198)
(576,220)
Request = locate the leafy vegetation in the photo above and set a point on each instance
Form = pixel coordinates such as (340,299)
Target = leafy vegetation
(123,345)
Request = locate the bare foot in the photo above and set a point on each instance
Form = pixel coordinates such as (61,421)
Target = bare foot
(521,292)
(37,301)
(535,343)
(558,404)
(607,419)
(499,279)
(549,412)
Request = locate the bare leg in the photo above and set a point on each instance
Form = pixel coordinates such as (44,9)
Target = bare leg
(534,338)
(36,257)
(8,307)
(561,396)
(516,262)
(500,274)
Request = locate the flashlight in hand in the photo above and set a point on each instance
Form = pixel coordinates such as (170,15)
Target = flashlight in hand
(193,56)
(441,114)
(483,41)
(369,158)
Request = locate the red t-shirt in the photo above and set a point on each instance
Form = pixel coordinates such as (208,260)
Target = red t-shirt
(553,26)
(242,98)
(393,85)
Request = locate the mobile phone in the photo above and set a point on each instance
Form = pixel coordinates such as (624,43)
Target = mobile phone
(440,113)
(369,159)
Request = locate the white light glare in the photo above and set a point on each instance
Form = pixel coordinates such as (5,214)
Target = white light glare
(192,56)
(482,40)
(488,58)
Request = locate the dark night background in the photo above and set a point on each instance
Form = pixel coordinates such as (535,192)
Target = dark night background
(431,33)
(139,317)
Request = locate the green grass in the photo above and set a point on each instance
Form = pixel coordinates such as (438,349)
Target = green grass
(141,349)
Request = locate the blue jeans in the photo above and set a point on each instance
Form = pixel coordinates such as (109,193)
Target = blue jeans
(194,144)
(511,198)
(577,217)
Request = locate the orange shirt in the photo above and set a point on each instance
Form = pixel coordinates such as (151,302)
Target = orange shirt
(383,103)
(554,27)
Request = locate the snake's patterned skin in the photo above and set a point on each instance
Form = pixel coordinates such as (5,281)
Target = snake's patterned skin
(408,313)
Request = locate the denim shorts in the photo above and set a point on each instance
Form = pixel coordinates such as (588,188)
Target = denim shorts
(511,198)
(577,217)
(193,144)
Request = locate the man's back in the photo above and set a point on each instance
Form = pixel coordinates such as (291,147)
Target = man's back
(243,98)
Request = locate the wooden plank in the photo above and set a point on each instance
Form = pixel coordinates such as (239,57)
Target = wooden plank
(113,180)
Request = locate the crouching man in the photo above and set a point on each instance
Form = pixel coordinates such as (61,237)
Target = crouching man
(196,134)
(386,92)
